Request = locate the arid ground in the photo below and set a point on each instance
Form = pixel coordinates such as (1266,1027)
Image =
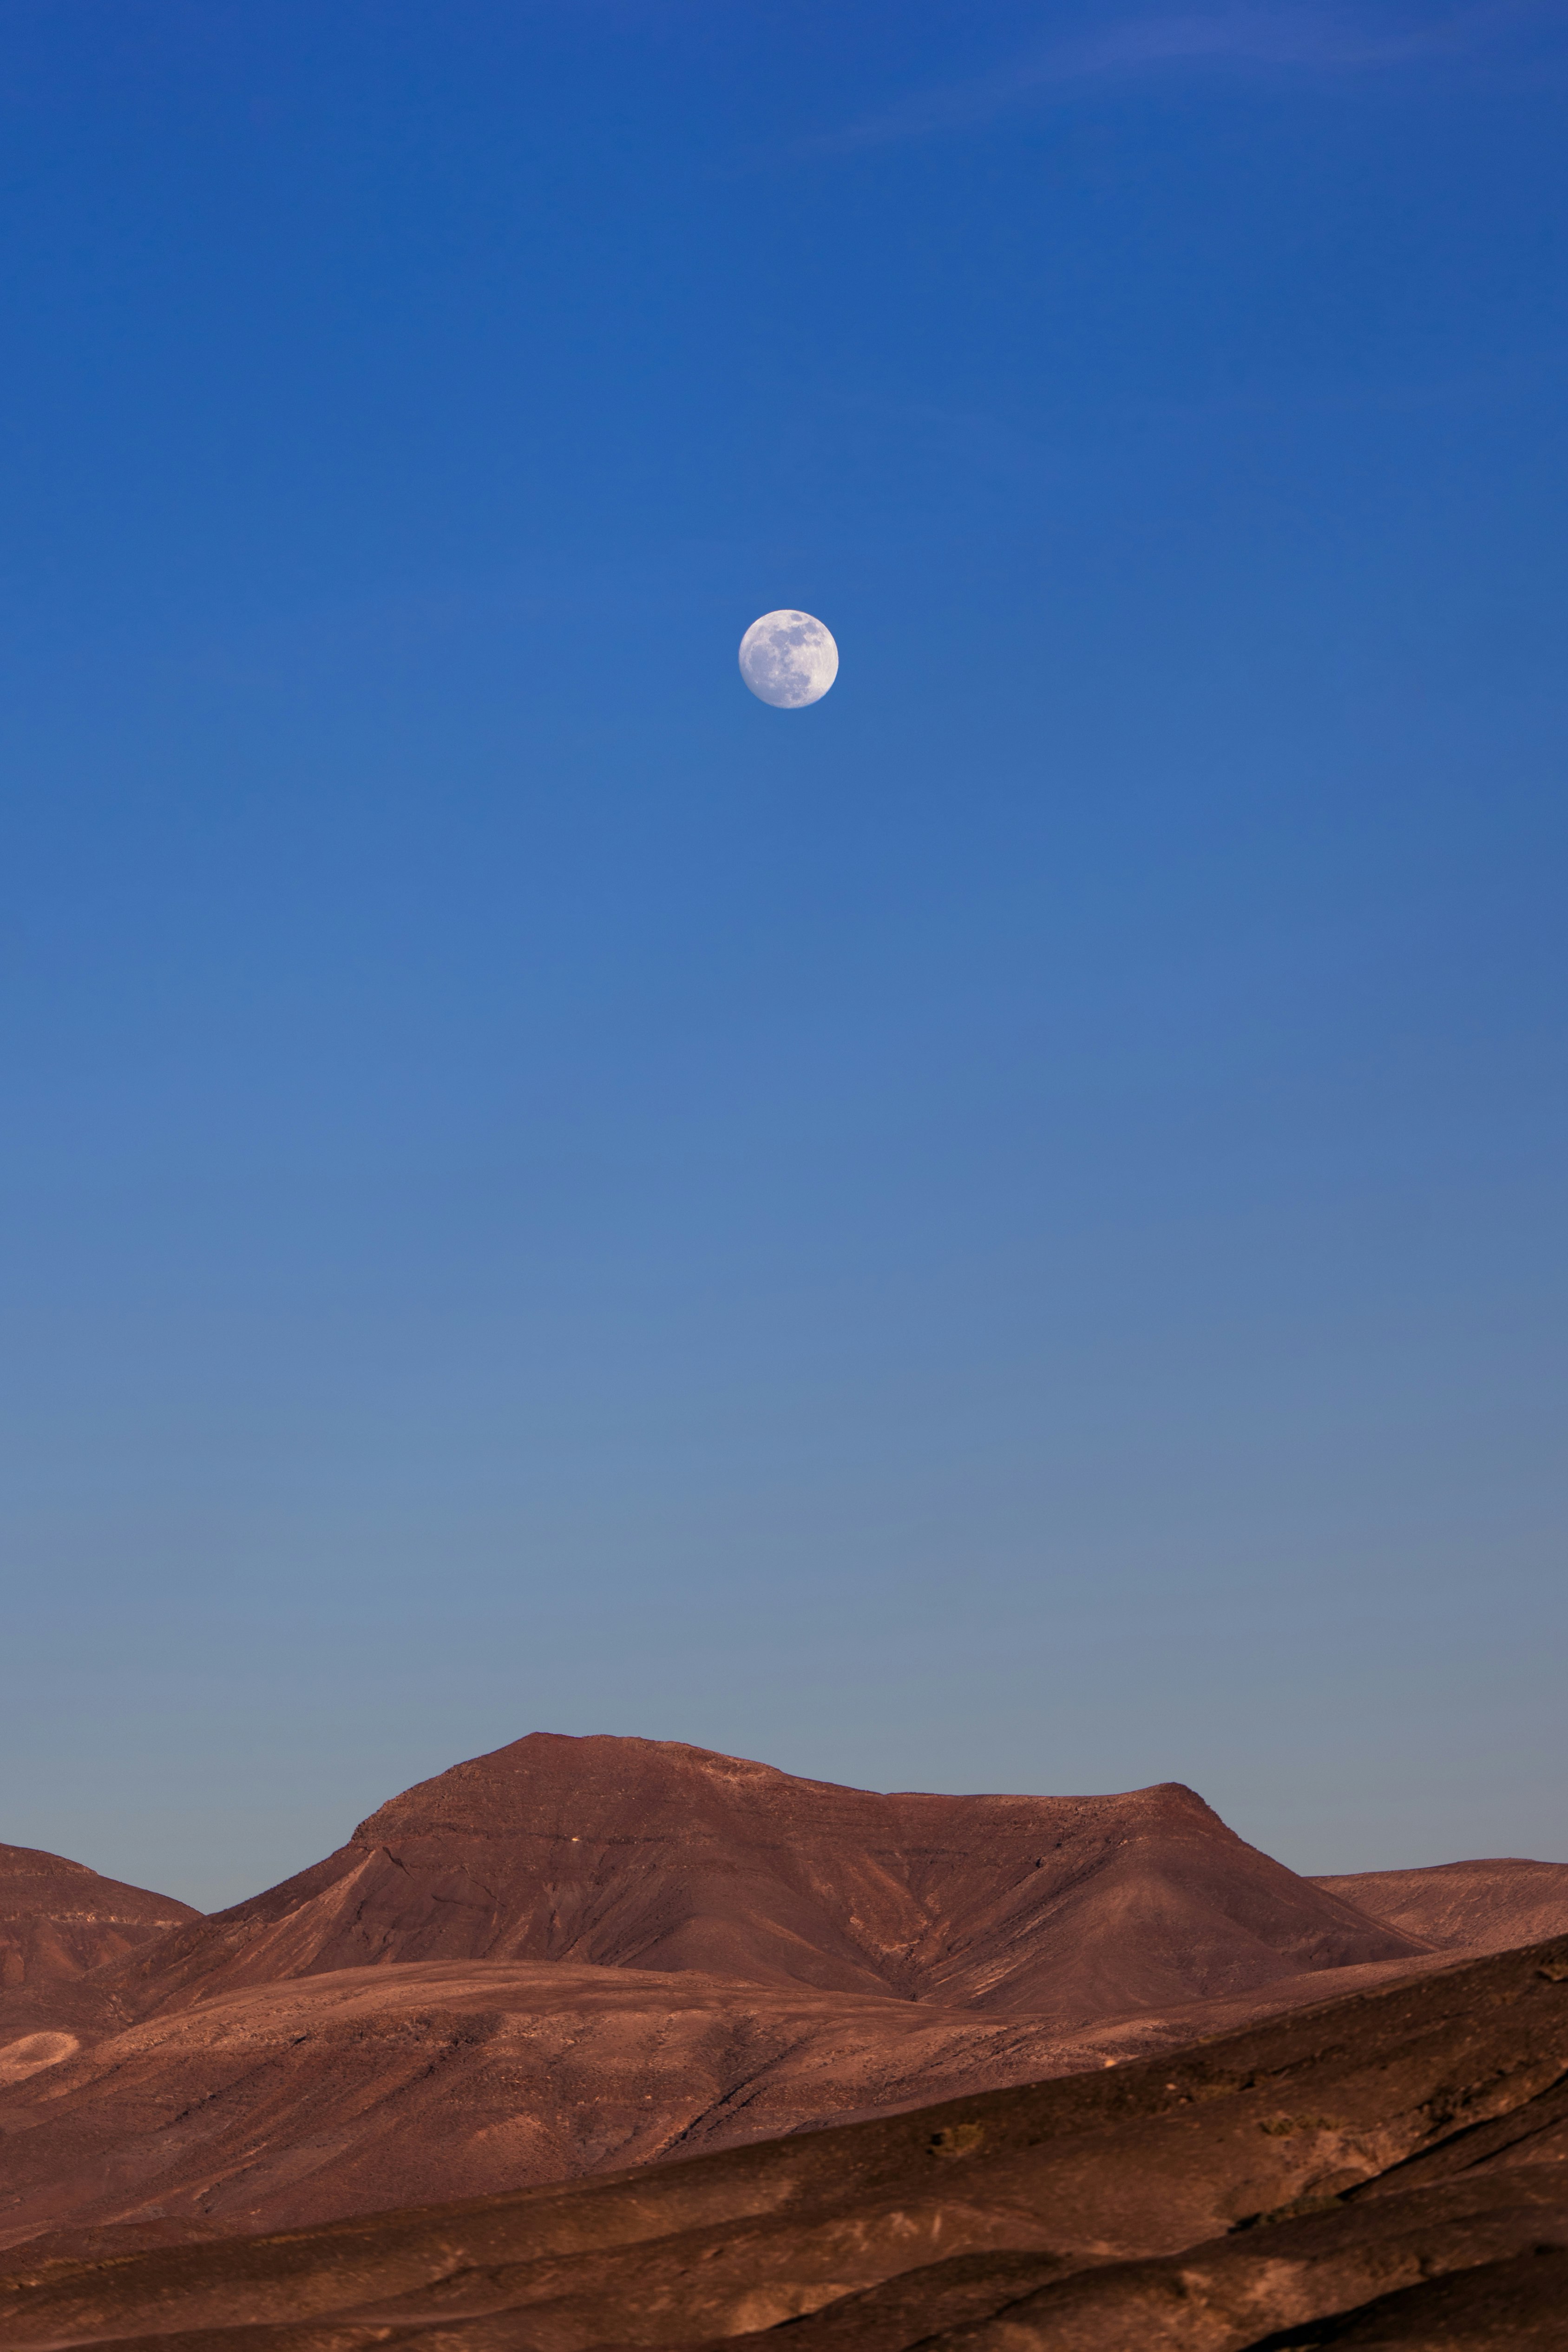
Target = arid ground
(616,2041)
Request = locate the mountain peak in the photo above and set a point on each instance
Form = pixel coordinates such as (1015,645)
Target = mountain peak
(655,1855)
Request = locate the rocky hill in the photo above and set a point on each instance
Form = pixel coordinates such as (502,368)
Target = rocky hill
(1473,1906)
(576,1955)
(58,1919)
(651,1854)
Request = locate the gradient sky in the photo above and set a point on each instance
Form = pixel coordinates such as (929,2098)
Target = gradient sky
(1005,1230)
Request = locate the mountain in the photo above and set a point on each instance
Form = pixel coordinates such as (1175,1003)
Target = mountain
(575,1954)
(1478,1906)
(1385,2170)
(653,1855)
(58,1919)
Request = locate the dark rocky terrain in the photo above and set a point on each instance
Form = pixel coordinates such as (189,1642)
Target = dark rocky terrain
(1389,2170)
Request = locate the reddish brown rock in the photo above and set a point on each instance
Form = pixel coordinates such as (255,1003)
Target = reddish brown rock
(1476,1906)
(574,1954)
(58,1919)
(272,2105)
(650,1854)
(1389,2170)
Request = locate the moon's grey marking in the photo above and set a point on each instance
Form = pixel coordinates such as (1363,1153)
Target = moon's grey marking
(788,659)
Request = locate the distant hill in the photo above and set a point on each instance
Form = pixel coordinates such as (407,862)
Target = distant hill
(1476,1907)
(651,1854)
(58,1919)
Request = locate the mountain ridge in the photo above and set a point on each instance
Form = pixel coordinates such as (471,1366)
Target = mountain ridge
(657,1854)
(568,1955)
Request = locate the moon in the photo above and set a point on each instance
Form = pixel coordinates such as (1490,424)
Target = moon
(788,659)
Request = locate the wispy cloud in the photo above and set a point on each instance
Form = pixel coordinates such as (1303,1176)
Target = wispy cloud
(1285,38)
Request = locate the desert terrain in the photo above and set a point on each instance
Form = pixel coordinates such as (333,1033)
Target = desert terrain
(620,1960)
(1387,2170)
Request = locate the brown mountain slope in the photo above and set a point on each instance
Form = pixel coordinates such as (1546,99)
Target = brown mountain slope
(1476,1907)
(275,2105)
(1389,2170)
(496,1982)
(653,1855)
(58,1919)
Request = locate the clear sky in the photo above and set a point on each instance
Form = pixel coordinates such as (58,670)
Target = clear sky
(1003,1231)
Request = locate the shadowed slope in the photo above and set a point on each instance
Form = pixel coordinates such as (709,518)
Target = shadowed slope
(1476,1907)
(1317,2168)
(651,1854)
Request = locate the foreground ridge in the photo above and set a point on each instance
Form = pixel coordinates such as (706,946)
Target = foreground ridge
(1363,2172)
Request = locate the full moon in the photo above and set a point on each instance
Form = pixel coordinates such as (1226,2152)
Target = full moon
(788,659)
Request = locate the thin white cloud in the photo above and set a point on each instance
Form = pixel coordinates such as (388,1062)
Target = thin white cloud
(1290,38)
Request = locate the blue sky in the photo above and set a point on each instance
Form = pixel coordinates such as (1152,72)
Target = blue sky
(1004,1231)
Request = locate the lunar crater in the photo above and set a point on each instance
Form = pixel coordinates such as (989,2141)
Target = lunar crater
(788,659)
